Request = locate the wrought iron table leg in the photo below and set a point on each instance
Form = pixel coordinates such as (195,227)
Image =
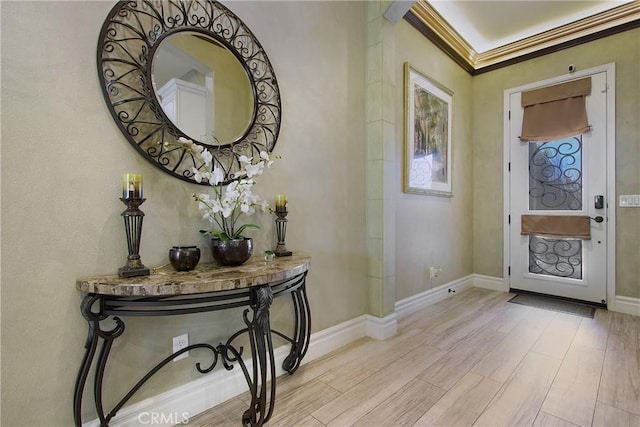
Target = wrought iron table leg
(93,335)
(301,330)
(90,345)
(262,394)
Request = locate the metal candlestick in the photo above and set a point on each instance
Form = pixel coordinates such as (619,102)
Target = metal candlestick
(133,226)
(281,231)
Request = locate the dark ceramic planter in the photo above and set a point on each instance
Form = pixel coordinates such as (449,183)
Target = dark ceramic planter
(231,252)
(184,258)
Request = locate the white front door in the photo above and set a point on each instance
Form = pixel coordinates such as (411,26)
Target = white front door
(560,178)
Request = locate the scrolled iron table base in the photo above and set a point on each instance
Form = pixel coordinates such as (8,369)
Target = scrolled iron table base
(97,309)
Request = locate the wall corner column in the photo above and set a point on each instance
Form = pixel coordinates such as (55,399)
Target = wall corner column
(380,156)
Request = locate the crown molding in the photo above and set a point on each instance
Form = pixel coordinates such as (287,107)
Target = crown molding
(433,26)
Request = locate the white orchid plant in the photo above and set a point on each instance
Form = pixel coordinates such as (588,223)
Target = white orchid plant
(226,205)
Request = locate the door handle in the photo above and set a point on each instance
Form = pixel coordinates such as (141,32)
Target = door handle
(597,219)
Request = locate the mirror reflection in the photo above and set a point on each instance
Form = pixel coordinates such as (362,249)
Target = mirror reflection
(202,88)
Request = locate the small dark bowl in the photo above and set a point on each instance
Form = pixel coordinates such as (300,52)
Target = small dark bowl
(184,258)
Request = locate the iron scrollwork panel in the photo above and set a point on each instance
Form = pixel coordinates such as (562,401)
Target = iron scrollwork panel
(555,257)
(130,36)
(555,175)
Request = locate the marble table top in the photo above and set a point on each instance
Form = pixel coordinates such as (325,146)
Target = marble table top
(166,281)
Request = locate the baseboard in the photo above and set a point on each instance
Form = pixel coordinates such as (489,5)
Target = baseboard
(628,305)
(330,339)
(381,328)
(490,282)
(417,302)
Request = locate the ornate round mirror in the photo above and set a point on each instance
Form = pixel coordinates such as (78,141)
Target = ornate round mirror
(192,69)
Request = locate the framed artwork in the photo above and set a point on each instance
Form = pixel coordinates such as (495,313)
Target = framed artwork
(427,135)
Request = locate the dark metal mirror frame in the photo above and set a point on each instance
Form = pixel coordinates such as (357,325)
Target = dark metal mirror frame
(128,40)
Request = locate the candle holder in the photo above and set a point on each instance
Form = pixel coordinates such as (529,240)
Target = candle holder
(133,226)
(281,232)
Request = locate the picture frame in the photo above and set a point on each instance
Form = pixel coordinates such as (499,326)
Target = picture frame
(428,123)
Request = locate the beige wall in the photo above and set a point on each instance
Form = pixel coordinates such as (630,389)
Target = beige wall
(487,142)
(63,158)
(62,162)
(434,230)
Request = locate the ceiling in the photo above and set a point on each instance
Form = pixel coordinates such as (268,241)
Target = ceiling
(484,34)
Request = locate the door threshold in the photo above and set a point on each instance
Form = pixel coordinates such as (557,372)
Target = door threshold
(573,300)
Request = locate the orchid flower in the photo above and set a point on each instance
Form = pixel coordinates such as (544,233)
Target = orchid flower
(223,207)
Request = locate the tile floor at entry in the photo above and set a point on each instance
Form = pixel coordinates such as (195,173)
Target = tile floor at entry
(471,360)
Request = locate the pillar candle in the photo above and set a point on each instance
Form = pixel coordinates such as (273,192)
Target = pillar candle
(281,202)
(132,186)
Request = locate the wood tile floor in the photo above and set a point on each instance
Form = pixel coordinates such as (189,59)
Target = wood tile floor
(471,360)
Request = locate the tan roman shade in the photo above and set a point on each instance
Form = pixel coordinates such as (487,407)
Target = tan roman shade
(555,112)
(558,226)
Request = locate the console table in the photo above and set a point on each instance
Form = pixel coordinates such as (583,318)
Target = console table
(208,287)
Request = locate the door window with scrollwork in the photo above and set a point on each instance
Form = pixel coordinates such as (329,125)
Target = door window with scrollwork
(555,184)
(555,175)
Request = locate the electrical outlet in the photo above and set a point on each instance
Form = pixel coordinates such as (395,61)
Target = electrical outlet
(179,343)
(435,271)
